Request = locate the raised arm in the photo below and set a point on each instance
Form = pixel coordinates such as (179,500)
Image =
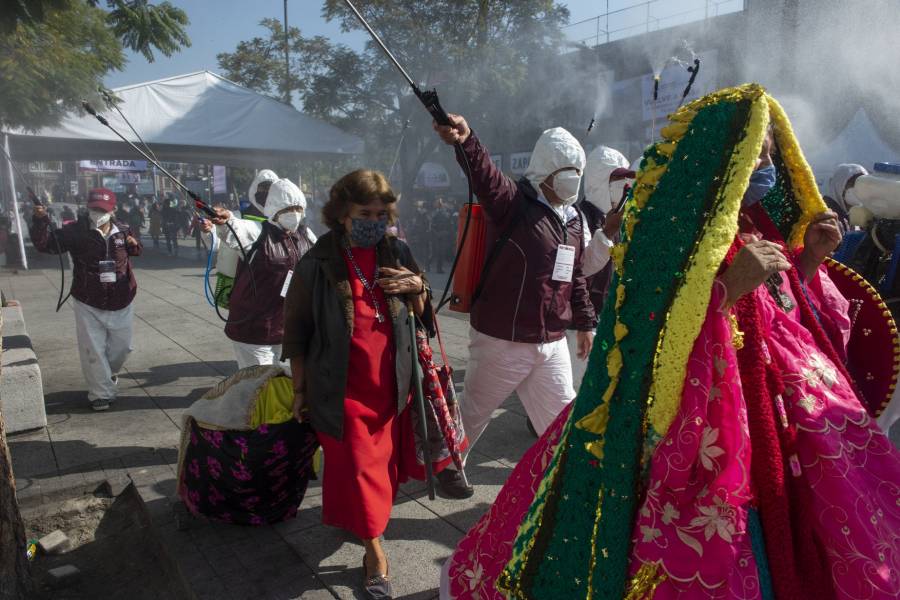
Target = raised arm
(494,190)
(41,237)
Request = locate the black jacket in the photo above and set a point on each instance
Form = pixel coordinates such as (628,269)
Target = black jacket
(318,325)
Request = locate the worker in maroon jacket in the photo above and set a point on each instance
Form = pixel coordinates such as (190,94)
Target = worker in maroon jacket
(532,285)
(103,288)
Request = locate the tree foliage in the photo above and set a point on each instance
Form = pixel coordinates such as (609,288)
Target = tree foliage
(143,26)
(484,56)
(53,53)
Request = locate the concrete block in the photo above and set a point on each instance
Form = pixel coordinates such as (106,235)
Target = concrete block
(13,321)
(21,390)
(55,542)
(63,576)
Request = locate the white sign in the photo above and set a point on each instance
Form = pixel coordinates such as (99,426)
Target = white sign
(112,165)
(497,159)
(673,81)
(518,162)
(128,177)
(219,180)
(73,187)
(432,175)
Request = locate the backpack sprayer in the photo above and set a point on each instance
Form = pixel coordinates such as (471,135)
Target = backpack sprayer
(429,99)
(199,204)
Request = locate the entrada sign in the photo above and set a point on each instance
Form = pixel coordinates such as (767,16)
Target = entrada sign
(112,165)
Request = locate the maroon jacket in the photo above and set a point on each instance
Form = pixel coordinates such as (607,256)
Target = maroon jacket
(87,248)
(519,300)
(258,317)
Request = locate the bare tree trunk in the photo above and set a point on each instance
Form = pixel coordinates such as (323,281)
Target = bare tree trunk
(15,580)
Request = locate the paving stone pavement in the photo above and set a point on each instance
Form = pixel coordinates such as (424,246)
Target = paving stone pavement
(179,352)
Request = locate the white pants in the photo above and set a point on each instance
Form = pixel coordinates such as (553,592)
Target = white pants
(541,374)
(579,367)
(250,355)
(104,342)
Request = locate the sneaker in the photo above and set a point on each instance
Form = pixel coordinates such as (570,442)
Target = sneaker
(100,404)
(452,484)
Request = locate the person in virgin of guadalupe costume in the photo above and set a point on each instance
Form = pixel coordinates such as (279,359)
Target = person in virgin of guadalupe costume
(718,447)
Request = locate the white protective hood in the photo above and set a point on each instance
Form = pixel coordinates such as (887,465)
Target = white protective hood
(264,175)
(554,150)
(601,162)
(283,194)
(838,183)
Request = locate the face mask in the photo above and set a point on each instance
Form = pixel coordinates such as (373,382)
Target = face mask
(617,192)
(290,221)
(566,185)
(367,233)
(761,181)
(99,218)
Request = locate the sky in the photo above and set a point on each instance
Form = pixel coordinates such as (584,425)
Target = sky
(218,25)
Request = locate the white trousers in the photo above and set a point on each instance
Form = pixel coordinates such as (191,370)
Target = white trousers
(541,375)
(579,367)
(104,342)
(250,355)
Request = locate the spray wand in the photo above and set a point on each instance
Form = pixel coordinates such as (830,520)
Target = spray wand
(429,99)
(693,71)
(199,204)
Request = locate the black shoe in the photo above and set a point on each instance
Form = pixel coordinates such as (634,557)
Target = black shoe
(376,587)
(452,484)
(531,428)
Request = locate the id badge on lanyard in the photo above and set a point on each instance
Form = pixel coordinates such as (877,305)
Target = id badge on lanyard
(565,263)
(287,283)
(107,271)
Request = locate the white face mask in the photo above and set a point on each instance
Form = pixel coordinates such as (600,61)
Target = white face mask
(566,185)
(290,221)
(616,189)
(99,218)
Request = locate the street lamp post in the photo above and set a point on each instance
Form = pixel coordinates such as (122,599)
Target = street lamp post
(287,64)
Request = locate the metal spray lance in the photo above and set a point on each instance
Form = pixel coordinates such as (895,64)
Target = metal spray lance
(429,99)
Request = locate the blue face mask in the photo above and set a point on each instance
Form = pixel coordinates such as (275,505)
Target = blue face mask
(761,181)
(367,233)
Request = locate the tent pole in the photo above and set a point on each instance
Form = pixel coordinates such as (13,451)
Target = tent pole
(15,201)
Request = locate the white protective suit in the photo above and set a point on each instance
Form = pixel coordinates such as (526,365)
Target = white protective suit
(282,194)
(540,374)
(605,195)
(264,175)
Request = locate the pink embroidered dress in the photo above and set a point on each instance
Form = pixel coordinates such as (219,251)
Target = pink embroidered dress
(695,520)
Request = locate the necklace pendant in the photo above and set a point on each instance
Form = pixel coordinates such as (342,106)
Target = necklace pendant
(785,301)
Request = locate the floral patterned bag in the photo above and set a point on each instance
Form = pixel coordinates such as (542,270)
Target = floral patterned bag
(446,435)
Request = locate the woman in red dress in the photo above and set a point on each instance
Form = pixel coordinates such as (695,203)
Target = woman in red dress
(347,337)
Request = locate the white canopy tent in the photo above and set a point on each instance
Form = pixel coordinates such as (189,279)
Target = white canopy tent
(197,118)
(858,143)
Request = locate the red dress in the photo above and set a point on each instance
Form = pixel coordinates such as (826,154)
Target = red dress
(364,470)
